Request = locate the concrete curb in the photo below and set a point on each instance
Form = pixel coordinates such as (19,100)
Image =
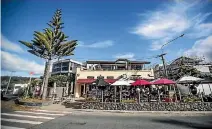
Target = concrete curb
(122,111)
(163,112)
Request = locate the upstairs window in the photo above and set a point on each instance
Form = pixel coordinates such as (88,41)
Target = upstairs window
(110,77)
(90,77)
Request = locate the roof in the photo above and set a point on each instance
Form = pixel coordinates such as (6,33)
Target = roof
(114,62)
(68,60)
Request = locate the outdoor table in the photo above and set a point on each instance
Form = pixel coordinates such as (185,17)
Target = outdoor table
(54,95)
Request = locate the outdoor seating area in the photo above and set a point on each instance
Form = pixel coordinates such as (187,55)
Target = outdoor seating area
(138,91)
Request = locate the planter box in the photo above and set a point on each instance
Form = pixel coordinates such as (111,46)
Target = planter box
(149,106)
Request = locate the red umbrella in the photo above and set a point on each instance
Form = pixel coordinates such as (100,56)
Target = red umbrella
(141,82)
(163,81)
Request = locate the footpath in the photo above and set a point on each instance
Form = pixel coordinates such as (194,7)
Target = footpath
(61,108)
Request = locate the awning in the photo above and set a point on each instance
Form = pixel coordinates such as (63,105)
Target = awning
(92,80)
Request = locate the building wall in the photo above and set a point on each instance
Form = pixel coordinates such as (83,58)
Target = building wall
(203,68)
(82,74)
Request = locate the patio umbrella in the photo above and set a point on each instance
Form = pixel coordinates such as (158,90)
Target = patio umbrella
(141,82)
(189,79)
(101,83)
(163,81)
(121,82)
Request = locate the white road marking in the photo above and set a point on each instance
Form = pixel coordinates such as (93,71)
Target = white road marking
(52,111)
(10,127)
(18,115)
(21,121)
(41,113)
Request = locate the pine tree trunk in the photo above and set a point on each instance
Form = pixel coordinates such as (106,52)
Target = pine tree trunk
(46,78)
(44,75)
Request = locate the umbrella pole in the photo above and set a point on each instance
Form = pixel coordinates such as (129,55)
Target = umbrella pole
(120,93)
(115,93)
(102,96)
(179,94)
(210,88)
(158,95)
(189,89)
(203,88)
(175,94)
(167,90)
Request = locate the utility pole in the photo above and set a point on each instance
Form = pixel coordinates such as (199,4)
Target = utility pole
(164,63)
(163,54)
(8,84)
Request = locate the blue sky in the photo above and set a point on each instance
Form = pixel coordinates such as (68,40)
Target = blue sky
(107,30)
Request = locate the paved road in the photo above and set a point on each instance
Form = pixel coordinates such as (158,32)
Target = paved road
(90,120)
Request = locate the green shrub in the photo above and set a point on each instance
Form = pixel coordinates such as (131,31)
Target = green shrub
(128,101)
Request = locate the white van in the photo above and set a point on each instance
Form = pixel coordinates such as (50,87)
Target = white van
(17,87)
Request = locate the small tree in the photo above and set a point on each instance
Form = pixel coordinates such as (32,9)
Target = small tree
(58,79)
(51,44)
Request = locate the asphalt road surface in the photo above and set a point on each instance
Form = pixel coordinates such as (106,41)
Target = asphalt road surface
(80,120)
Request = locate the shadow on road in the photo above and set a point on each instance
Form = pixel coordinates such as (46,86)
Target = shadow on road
(185,124)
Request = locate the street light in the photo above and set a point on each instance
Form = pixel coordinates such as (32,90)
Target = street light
(171,41)
(162,54)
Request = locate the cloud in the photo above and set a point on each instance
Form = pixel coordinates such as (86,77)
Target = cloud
(202,47)
(102,44)
(202,30)
(181,52)
(125,56)
(171,21)
(157,44)
(10,46)
(12,62)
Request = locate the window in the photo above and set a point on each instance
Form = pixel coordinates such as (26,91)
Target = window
(110,77)
(65,66)
(106,67)
(90,77)
(56,67)
(136,67)
(65,69)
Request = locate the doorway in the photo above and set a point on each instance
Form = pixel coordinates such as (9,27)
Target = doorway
(82,90)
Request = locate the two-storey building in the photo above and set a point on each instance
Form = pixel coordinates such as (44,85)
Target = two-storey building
(111,71)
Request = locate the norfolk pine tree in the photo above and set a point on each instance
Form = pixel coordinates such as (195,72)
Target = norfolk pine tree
(51,44)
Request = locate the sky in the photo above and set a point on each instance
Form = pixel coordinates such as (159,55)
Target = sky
(107,30)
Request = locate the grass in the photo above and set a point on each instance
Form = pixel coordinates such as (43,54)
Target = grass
(128,101)
(13,106)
